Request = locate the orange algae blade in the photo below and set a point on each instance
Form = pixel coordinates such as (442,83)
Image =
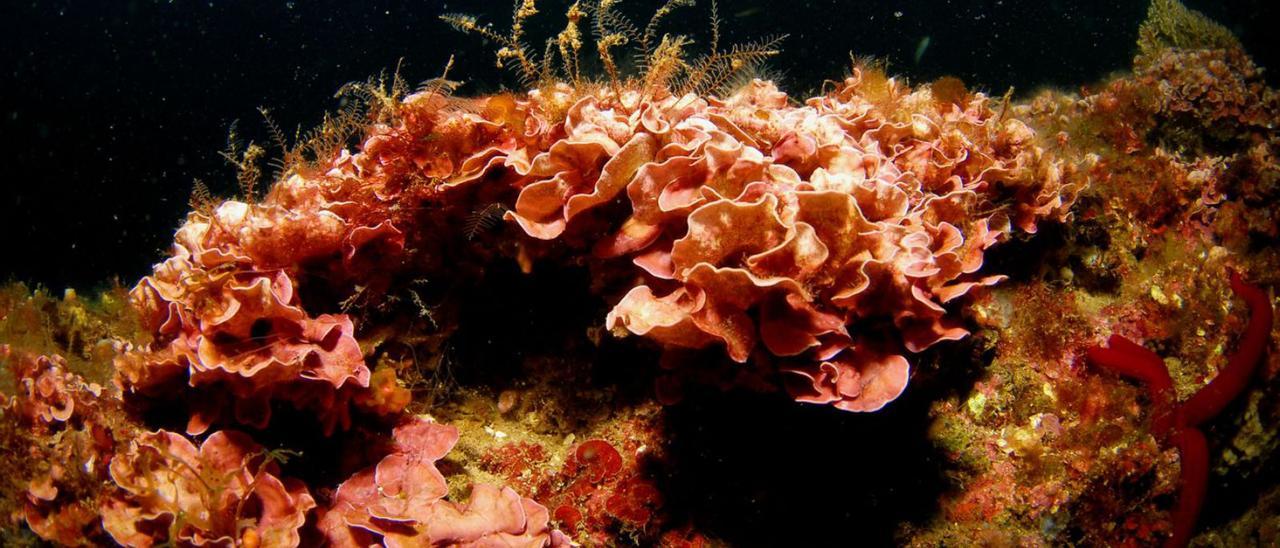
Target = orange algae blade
(616,174)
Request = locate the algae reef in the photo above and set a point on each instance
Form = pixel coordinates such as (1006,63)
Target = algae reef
(647,298)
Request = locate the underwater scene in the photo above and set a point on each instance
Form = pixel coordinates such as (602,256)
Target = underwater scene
(670,273)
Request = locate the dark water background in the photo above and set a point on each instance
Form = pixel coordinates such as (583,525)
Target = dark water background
(111,108)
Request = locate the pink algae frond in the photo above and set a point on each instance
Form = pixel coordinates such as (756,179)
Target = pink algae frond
(788,232)
(69,440)
(224,491)
(401,502)
(221,316)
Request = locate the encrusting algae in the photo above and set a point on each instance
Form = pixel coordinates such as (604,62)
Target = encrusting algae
(487,322)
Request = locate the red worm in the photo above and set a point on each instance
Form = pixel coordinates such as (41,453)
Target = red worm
(1209,401)
(1193,451)
(1178,424)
